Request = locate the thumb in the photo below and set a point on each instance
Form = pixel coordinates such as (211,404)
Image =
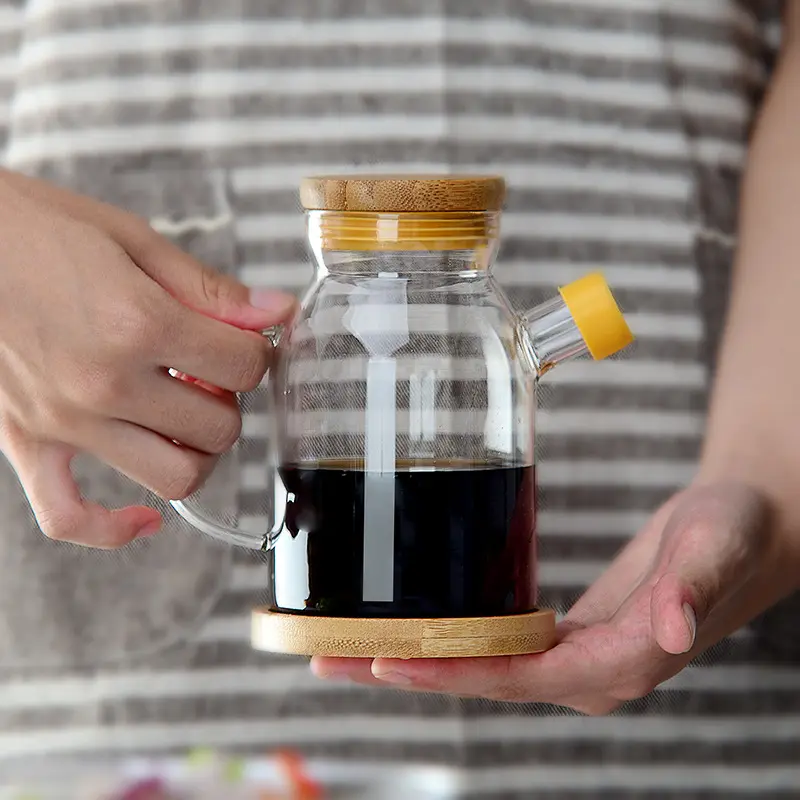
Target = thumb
(210,292)
(709,549)
(43,469)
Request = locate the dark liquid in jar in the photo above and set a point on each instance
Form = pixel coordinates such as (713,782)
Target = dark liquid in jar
(425,541)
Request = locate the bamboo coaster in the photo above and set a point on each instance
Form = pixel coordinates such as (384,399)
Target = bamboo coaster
(348,637)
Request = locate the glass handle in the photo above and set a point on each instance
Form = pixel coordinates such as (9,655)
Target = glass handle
(193,513)
(202,519)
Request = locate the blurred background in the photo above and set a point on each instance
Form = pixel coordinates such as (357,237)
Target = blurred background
(621,127)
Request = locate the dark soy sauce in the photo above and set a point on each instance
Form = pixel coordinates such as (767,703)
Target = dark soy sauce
(454,541)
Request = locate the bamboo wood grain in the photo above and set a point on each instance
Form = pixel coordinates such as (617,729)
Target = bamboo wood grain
(403,193)
(349,637)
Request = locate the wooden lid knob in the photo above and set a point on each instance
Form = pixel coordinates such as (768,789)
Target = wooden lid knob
(403,193)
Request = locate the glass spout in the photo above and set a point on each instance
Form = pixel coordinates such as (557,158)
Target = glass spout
(583,318)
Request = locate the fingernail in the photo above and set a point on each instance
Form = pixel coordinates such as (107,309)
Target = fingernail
(389,674)
(151,529)
(691,621)
(270,300)
(327,672)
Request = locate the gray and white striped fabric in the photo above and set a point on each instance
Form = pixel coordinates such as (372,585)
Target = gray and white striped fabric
(621,126)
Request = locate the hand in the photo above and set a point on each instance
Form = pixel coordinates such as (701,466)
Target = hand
(707,563)
(95,308)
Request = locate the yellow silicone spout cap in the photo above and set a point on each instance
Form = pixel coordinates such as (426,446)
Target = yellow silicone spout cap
(597,315)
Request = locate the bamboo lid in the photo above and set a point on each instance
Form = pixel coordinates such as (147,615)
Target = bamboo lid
(403,193)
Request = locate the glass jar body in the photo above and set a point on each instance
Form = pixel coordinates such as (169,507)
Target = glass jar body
(405,440)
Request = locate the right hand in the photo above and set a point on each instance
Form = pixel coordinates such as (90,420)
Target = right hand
(710,560)
(95,308)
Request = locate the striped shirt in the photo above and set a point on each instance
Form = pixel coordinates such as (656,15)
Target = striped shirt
(621,126)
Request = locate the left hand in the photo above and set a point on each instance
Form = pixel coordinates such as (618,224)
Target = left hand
(707,562)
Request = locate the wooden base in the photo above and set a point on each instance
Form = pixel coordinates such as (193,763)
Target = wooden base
(348,637)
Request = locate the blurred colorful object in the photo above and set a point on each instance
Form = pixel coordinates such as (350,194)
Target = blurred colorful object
(301,785)
(152,789)
(211,776)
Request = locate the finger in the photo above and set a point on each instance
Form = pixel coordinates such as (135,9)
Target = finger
(185,412)
(207,291)
(464,677)
(543,677)
(592,670)
(61,513)
(215,352)
(479,677)
(193,284)
(625,573)
(169,470)
(593,673)
(711,548)
(345,669)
